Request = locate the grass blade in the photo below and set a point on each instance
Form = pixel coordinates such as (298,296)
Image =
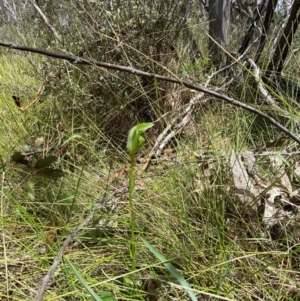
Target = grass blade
(171,269)
(82,281)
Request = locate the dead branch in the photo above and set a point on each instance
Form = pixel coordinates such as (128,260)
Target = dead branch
(77,60)
(65,244)
(174,127)
(46,21)
(40,92)
(265,28)
(270,101)
(184,116)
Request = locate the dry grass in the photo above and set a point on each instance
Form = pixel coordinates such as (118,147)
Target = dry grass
(189,215)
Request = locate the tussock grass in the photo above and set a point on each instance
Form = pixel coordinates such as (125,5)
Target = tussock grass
(186,208)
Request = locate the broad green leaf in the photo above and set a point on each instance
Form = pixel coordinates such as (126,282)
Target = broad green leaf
(45,162)
(171,269)
(18,157)
(128,281)
(50,172)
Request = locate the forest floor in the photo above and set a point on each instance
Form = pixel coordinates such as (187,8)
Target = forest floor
(185,206)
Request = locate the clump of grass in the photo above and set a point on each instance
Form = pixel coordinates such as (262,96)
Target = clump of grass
(183,212)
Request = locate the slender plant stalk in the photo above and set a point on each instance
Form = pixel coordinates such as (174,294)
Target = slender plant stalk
(134,142)
(132,213)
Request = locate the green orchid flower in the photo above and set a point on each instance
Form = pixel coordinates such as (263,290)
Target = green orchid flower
(135,137)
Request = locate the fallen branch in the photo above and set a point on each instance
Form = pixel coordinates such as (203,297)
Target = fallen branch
(62,249)
(173,128)
(41,90)
(264,92)
(77,60)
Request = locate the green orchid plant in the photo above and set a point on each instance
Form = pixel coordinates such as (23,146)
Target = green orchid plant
(135,141)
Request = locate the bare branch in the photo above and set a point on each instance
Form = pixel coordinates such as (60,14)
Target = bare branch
(45,19)
(265,29)
(62,249)
(78,60)
(261,88)
(284,44)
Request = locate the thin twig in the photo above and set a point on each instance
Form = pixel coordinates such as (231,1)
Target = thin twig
(65,244)
(78,60)
(41,90)
(46,21)
(168,133)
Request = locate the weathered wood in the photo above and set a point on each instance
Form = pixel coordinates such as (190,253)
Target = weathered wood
(284,45)
(265,29)
(219,25)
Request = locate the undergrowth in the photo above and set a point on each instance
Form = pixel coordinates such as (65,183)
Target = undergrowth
(184,206)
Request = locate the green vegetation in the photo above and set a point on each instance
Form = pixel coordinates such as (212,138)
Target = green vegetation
(172,226)
(135,141)
(180,209)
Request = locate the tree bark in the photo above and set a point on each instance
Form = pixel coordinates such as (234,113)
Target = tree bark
(267,22)
(286,39)
(219,26)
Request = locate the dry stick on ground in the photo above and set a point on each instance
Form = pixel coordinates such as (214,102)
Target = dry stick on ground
(65,244)
(167,134)
(185,116)
(78,60)
(270,101)
(41,90)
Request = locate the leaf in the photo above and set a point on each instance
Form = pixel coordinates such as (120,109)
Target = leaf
(51,236)
(245,187)
(128,281)
(151,286)
(45,162)
(26,148)
(17,100)
(50,172)
(106,296)
(269,216)
(83,282)
(171,269)
(275,143)
(74,137)
(18,157)
(30,190)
